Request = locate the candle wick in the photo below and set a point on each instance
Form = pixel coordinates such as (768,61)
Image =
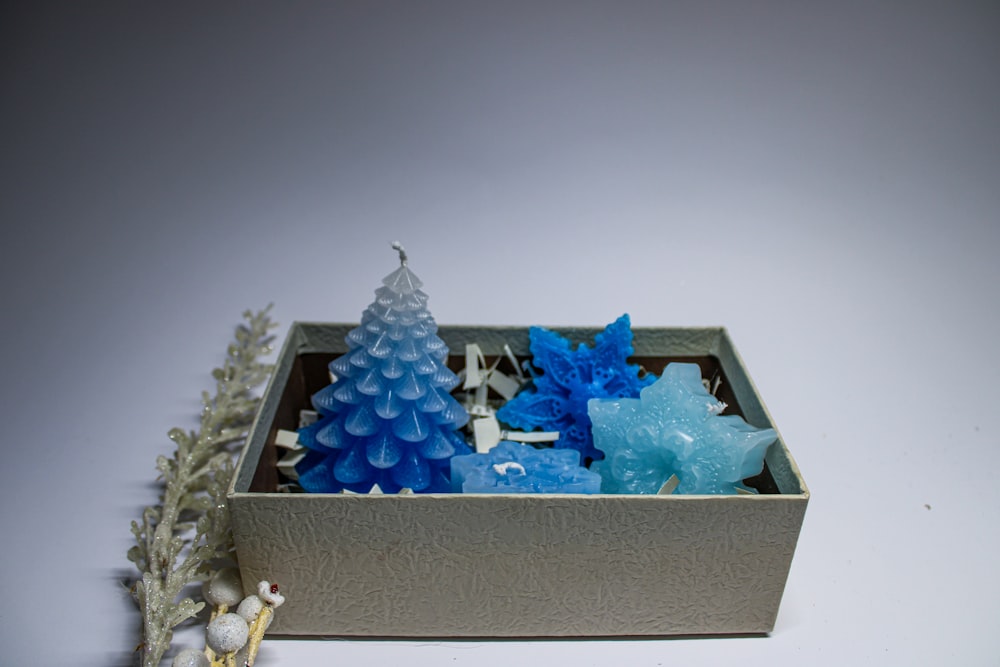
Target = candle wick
(396,245)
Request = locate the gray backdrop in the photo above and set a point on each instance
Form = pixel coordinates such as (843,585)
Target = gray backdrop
(821,178)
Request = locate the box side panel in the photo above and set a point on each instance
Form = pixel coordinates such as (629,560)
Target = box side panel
(783,469)
(779,460)
(647,341)
(453,566)
(323,337)
(740,384)
(251,461)
(679,342)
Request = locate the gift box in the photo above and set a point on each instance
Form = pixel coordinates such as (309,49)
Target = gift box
(517,565)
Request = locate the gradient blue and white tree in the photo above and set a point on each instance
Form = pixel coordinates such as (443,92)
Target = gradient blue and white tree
(389,418)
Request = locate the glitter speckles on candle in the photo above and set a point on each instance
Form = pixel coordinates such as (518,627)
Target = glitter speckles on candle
(674,428)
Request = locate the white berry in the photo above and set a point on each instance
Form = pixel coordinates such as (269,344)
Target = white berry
(250,608)
(224,588)
(227,633)
(190,657)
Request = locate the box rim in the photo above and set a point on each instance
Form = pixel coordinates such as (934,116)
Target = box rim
(298,336)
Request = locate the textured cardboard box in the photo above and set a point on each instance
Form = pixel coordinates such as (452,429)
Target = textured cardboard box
(519,565)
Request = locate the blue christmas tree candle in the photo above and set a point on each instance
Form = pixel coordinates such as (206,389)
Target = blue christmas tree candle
(569,378)
(513,467)
(674,428)
(389,418)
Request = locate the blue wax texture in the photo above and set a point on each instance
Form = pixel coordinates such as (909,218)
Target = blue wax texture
(674,428)
(568,379)
(389,418)
(513,467)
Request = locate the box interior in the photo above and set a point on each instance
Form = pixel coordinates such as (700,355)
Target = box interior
(309,373)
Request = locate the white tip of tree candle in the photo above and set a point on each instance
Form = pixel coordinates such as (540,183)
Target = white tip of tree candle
(402,281)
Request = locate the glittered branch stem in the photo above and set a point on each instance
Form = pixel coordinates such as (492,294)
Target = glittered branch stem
(195,479)
(257,633)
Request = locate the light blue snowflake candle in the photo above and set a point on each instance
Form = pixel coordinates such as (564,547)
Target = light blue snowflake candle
(513,467)
(674,428)
(389,418)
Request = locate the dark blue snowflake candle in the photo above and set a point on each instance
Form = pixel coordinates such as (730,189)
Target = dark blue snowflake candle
(674,428)
(389,418)
(569,378)
(514,467)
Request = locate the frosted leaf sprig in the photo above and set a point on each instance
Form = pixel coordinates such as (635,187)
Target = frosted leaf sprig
(195,479)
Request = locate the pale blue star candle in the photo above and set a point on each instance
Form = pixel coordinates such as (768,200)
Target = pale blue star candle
(675,428)
(389,418)
(513,467)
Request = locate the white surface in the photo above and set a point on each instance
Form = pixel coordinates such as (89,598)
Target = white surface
(823,181)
